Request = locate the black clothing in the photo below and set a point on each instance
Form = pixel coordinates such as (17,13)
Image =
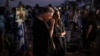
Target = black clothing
(59,41)
(84,32)
(92,34)
(41,36)
(98,37)
(59,28)
(87,40)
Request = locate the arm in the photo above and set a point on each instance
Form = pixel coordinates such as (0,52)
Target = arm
(61,34)
(51,29)
(89,30)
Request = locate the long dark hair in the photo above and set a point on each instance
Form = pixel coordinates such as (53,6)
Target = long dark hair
(56,15)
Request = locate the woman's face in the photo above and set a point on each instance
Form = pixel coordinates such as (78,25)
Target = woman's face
(56,16)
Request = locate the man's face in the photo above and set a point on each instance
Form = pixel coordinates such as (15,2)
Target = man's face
(48,15)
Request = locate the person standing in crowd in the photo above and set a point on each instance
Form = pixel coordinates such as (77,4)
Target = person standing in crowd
(76,30)
(98,33)
(73,32)
(84,17)
(20,32)
(42,32)
(59,34)
(69,27)
(11,33)
(2,29)
(91,32)
(12,19)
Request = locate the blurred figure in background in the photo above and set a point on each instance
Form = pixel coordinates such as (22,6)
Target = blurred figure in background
(11,34)
(98,33)
(84,17)
(2,29)
(20,32)
(91,32)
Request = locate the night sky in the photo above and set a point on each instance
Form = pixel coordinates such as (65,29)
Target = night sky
(33,2)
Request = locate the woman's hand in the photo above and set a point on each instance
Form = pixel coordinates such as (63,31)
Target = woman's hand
(61,34)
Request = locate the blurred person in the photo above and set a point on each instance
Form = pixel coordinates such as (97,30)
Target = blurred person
(70,25)
(20,31)
(98,33)
(2,29)
(77,31)
(42,32)
(70,20)
(10,35)
(59,34)
(84,17)
(74,32)
(29,35)
(12,19)
(91,32)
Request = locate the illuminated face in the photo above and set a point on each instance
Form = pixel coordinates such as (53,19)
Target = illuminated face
(56,15)
(48,16)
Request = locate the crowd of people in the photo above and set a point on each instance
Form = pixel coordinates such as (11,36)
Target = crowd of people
(49,31)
